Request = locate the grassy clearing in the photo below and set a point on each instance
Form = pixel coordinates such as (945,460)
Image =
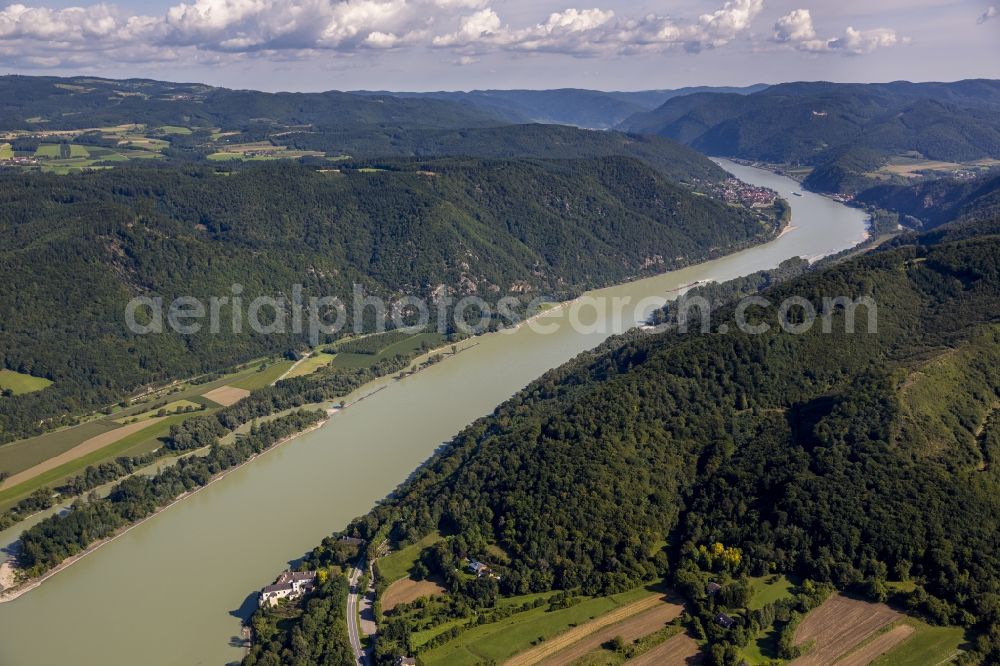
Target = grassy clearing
(763,649)
(176,406)
(928,645)
(174,129)
(501,640)
(20,383)
(311,364)
(262,377)
(397,565)
(768,589)
(6,151)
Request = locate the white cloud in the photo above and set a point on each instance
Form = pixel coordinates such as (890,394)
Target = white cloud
(596,31)
(987,15)
(217,30)
(796,30)
(795,27)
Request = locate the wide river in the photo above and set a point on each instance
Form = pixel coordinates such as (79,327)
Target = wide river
(172,590)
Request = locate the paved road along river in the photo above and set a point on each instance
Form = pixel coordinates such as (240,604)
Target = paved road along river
(171,591)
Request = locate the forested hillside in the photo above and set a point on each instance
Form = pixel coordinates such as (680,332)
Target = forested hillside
(54,103)
(857,127)
(593,109)
(179,122)
(932,203)
(850,458)
(74,250)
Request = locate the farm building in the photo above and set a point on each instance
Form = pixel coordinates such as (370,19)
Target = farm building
(724,621)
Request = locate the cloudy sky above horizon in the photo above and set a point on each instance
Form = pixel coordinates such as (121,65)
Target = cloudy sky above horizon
(464,44)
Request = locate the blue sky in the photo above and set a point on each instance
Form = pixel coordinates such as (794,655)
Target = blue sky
(464,44)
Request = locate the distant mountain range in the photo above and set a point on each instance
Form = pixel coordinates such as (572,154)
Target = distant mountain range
(852,127)
(589,109)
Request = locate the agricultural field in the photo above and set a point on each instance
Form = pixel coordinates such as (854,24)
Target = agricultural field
(311,364)
(265,375)
(175,407)
(95,444)
(6,151)
(351,356)
(22,454)
(501,640)
(577,643)
(913,165)
(925,644)
(257,151)
(407,590)
(839,625)
(681,650)
(883,642)
(174,129)
(62,151)
(226,395)
(19,383)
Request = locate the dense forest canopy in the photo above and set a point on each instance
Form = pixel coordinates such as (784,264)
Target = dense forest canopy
(75,249)
(846,458)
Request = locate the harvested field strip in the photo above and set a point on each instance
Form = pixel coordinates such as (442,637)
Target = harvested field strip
(561,642)
(874,649)
(639,625)
(226,395)
(91,445)
(406,590)
(24,453)
(681,650)
(839,625)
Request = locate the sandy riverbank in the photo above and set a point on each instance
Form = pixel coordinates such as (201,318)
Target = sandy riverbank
(7,569)
(8,575)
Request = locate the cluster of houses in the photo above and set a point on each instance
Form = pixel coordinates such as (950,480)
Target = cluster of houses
(735,191)
(291,585)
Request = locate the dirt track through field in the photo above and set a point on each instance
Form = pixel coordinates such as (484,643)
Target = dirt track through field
(681,650)
(868,653)
(838,626)
(561,642)
(95,443)
(406,590)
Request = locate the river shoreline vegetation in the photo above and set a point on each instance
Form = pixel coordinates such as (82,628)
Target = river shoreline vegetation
(855,462)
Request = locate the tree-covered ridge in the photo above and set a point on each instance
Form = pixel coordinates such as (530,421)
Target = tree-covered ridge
(844,130)
(173,122)
(76,249)
(930,204)
(792,450)
(55,103)
(593,109)
(800,123)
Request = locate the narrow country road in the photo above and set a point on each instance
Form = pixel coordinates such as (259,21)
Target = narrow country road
(353,626)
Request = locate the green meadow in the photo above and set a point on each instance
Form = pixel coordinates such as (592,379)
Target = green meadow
(19,383)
